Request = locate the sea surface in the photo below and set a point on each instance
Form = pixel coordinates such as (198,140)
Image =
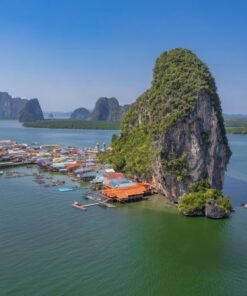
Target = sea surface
(49,248)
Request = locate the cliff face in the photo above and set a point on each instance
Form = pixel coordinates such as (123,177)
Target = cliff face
(174,134)
(108,109)
(81,114)
(10,107)
(200,142)
(31,112)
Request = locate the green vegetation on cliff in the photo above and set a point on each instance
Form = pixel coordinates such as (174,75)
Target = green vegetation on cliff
(177,165)
(135,157)
(179,78)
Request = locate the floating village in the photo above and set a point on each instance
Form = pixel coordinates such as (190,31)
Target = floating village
(104,187)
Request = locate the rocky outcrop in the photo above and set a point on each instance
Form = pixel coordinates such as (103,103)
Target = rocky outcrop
(214,211)
(108,109)
(31,112)
(80,114)
(10,107)
(174,133)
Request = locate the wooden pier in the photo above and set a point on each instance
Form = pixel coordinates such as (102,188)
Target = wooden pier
(84,207)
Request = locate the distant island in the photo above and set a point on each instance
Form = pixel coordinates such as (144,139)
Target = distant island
(31,112)
(107,114)
(108,109)
(24,110)
(236,126)
(58,123)
(73,124)
(105,109)
(20,109)
(237,130)
(80,114)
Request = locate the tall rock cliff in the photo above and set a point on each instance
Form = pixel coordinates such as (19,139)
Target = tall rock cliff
(18,108)
(31,112)
(108,109)
(174,133)
(10,107)
(80,114)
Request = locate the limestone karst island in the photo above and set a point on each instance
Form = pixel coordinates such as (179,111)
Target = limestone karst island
(174,137)
(123,165)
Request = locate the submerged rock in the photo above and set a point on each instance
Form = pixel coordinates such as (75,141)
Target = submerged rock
(31,112)
(174,133)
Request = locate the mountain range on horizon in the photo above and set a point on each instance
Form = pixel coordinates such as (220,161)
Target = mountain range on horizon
(106,109)
(19,109)
(24,110)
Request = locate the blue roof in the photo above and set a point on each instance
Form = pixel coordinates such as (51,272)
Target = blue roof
(116,182)
(98,179)
(88,175)
(82,170)
(127,184)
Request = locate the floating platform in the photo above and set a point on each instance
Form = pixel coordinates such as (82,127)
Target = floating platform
(79,206)
(103,203)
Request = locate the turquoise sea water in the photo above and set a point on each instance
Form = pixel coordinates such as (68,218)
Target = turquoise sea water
(49,248)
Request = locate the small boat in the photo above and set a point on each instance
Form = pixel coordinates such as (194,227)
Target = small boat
(65,189)
(244,205)
(1,173)
(92,198)
(78,205)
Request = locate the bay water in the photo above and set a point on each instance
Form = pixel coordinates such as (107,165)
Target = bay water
(49,248)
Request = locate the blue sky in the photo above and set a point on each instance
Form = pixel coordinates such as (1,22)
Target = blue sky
(69,53)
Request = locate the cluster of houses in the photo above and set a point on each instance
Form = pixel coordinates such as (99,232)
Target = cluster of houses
(79,163)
